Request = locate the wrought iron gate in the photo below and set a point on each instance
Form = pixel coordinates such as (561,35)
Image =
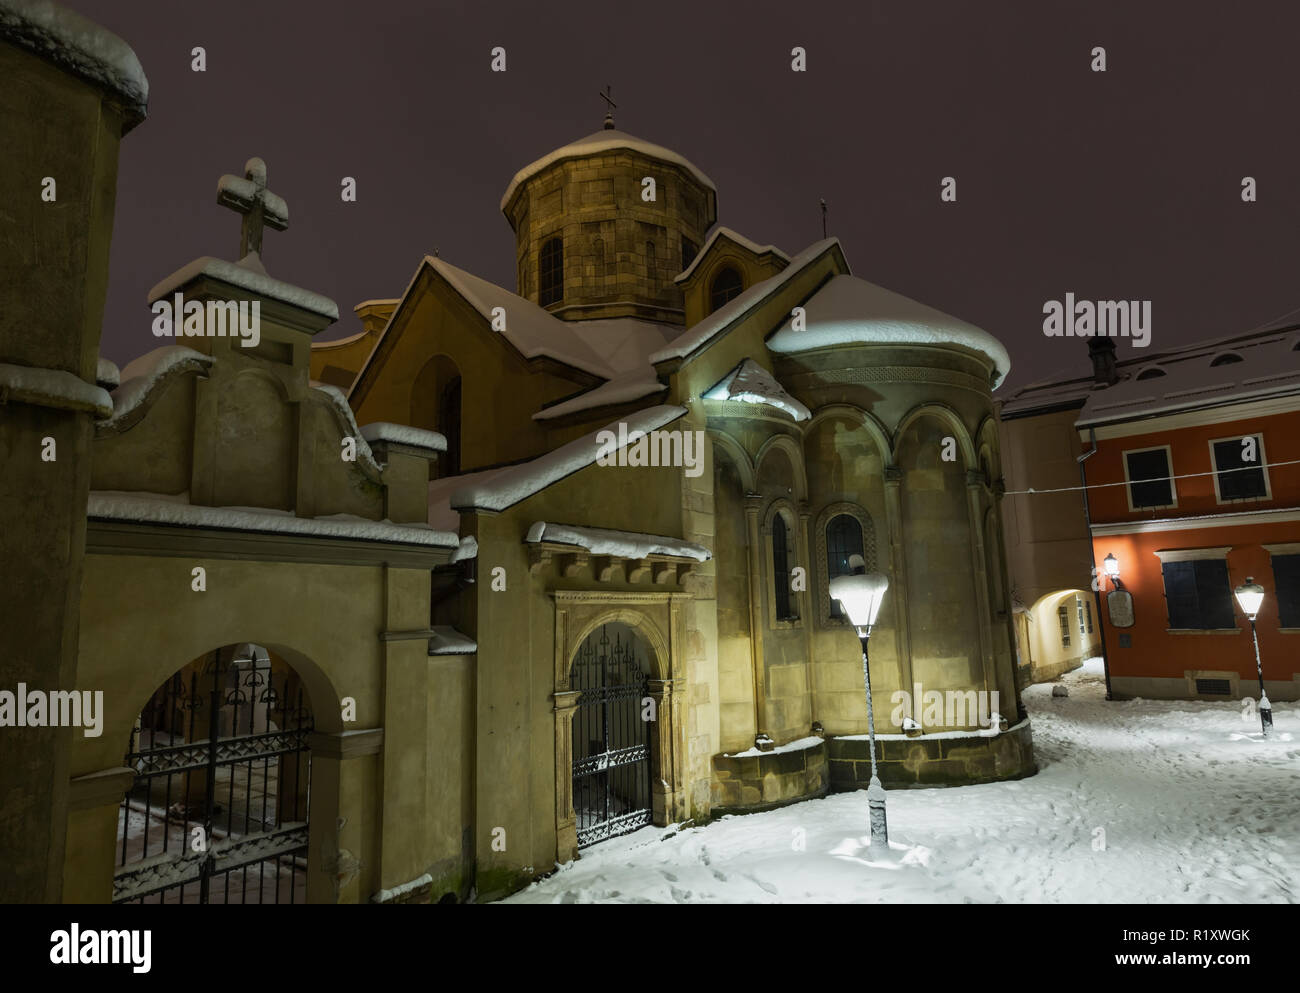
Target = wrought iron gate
(611,754)
(222,752)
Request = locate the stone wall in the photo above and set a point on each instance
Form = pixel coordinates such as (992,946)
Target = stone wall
(931,761)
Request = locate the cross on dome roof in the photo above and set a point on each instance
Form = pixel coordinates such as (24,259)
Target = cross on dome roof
(250,197)
(608,97)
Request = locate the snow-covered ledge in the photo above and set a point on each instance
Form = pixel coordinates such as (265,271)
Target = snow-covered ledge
(406,892)
(575,549)
(52,388)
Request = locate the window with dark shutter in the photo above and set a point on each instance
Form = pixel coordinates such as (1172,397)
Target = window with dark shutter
(1198,595)
(1152,465)
(1237,478)
(1286,581)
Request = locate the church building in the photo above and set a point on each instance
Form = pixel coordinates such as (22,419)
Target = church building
(419,614)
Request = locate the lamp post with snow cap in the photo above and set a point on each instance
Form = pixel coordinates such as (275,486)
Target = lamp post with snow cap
(861,594)
(1251,595)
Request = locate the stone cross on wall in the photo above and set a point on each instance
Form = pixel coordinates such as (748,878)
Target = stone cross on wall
(259,205)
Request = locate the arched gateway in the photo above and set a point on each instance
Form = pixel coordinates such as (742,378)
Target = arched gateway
(611,736)
(218,809)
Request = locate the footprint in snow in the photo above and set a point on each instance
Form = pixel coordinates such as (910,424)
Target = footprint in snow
(668,876)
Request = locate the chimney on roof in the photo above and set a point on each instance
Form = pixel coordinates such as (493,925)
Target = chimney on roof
(1102,352)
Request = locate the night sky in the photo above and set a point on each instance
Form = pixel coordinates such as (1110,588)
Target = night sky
(1122,184)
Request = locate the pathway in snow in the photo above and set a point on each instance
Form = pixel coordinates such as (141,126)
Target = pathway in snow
(1195,807)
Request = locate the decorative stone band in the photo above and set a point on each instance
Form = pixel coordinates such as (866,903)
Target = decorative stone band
(869,375)
(346,744)
(52,388)
(99,789)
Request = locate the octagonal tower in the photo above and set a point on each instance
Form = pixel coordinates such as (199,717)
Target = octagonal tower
(588,244)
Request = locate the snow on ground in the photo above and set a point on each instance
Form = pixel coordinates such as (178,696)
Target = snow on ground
(1194,806)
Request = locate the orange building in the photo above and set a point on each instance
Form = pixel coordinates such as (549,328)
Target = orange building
(1192,463)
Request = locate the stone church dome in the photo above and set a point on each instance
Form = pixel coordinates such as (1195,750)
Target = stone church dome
(604,224)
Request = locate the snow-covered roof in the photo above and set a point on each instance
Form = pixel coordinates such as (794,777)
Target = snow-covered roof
(622,389)
(468,549)
(749,382)
(739,239)
(146,373)
(627,544)
(161,508)
(1269,366)
(625,344)
(52,387)
(502,488)
(249,274)
(446,640)
(849,311)
(602,141)
(403,434)
(737,307)
(107,374)
(79,45)
(531,329)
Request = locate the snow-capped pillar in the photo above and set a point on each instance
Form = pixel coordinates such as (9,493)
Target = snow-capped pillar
(753,505)
(71,91)
(898,588)
(979,567)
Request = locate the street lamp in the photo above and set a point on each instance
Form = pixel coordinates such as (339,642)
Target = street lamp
(861,594)
(1111,565)
(1250,595)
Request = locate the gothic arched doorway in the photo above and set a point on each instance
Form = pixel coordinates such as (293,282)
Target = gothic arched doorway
(218,809)
(611,737)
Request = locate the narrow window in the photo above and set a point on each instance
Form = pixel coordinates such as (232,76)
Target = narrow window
(843,539)
(781,569)
(1148,472)
(1078,606)
(550,272)
(726,285)
(449,425)
(650,254)
(1286,583)
(1087,609)
(1237,478)
(1198,595)
(689,251)
(1063,616)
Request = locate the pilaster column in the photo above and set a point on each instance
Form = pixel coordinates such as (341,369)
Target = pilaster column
(753,504)
(979,567)
(566,822)
(898,588)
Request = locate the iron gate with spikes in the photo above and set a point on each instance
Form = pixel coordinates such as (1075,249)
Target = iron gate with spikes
(611,751)
(224,751)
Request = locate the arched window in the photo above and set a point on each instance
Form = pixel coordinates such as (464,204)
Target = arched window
(449,425)
(689,251)
(650,254)
(550,272)
(781,569)
(843,539)
(726,284)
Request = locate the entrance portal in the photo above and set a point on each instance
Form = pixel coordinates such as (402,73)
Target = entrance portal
(611,751)
(218,811)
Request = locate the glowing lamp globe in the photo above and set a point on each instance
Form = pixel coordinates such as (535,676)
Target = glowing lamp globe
(1250,595)
(860,594)
(1111,565)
